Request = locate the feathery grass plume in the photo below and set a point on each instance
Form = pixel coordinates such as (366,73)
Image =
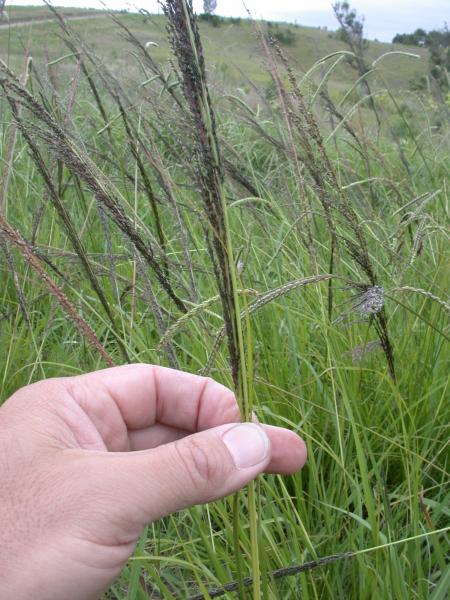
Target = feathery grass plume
(358,353)
(29,255)
(369,301)
(82,165)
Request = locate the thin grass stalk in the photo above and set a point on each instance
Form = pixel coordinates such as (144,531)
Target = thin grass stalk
(406,288)
(67,222)
(67,114)
(157,311)
(12,268)
(333,199)
(135,143)
(9,153)
(117,93)
(71,231)
(167,186)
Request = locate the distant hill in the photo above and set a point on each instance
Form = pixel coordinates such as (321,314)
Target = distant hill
(232,51)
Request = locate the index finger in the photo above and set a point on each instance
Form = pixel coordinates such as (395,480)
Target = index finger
(148,394)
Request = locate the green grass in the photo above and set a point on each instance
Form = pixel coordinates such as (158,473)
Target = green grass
(376,481)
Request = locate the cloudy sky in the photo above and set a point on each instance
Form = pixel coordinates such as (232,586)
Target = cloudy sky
(384,18)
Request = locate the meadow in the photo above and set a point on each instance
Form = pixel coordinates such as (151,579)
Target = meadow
(251,217)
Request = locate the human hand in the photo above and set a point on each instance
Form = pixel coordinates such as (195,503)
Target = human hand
(87,461)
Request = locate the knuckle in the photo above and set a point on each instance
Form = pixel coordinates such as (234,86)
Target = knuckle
(199,462)
(231,412)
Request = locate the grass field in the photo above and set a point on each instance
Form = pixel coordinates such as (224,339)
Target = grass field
(231,50)
(339,230)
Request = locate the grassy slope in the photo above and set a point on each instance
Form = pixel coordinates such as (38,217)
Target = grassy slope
(230,49)
(377,470)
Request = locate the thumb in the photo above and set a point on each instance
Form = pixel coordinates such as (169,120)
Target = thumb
(205,466)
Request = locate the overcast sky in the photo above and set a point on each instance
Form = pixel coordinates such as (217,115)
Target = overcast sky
(384,18)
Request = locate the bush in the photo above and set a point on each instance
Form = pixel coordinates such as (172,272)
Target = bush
(286,37)
(213,20)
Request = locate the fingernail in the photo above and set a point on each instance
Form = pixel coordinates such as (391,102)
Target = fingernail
(247,443)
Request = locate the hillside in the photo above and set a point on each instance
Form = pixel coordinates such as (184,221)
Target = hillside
(231,50)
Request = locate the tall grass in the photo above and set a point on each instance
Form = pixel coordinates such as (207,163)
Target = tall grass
(165,216)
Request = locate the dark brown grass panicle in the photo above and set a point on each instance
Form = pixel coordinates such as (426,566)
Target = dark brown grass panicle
(185,41)
(231,167)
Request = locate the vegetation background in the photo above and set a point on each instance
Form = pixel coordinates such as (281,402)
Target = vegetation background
(333,193)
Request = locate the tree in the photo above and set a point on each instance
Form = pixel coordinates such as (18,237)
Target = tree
(418,38)
(209,6)
(2,8)
(438,43)
(351,32)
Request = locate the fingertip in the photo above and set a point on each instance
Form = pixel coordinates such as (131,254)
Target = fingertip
(289,451)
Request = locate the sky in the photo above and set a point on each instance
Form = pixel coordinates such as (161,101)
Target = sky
(383,18)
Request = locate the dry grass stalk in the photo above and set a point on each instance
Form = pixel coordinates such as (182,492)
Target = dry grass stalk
(277,574)
(30,257)
(4,185)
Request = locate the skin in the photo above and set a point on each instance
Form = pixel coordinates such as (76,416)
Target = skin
(86,462)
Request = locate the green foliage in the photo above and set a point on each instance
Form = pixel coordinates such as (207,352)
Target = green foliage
(420,37)
(282,34)
(438,43)
(351,30)
(217,20)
